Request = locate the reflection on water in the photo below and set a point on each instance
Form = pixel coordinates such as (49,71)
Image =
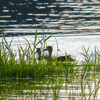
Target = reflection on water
(52,88)
(53,16)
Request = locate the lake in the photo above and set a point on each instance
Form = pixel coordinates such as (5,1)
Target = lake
(73,24)
(52,17)
(70,44)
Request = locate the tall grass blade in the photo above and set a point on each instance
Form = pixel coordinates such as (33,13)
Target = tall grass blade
(40,41)
(29,45)
(6,43)
(4,29)
(35,37)
(47,38)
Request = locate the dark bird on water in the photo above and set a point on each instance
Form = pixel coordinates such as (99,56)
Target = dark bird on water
(39,53)
(38,50)
(60,58)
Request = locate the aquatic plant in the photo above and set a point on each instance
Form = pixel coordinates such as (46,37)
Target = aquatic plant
(50,73)
(89,72)
(26,65)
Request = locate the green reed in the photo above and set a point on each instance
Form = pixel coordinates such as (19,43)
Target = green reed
(27,66)
(89,72)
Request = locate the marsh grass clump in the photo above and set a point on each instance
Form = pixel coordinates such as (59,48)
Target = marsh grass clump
(48,75)
(89,71)
(26,65)
(91,60)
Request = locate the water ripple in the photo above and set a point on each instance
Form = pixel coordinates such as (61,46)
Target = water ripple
(58,16)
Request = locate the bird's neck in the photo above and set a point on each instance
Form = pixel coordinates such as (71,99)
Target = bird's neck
(39,57)
(50,54)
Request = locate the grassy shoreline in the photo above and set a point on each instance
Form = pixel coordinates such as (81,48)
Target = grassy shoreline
(28,66)
(49,72)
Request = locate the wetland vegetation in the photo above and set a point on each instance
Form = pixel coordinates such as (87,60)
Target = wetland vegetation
(28,78)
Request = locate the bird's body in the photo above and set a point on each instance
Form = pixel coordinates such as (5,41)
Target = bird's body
(60,58)
(40,57)
(63,58)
